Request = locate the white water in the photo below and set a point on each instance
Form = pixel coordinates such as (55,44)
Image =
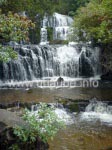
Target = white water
(43,31)
(61,113)
(60,24)
(66,54)
(68,58)
(97,110)
(43,36)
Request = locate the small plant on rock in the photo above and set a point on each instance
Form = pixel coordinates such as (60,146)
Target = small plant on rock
(43,124)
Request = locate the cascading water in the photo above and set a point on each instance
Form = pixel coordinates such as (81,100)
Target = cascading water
(43,36)
(36,62)
(98,110)
(61,113)
(89,61)
(61,26)
(68,58)
(43,31)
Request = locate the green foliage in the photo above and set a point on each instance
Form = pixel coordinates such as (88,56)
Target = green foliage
(95,21)
(33,7)
(14,27)
(69,7)
(14,147)
(50,34)
(43,125)
(2,2)
(7,53)
(34,34)
(59,42)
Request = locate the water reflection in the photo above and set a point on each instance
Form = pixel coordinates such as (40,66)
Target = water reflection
(48,95)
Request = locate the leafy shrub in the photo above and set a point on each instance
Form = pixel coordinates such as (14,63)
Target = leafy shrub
(43,124)
(7,53)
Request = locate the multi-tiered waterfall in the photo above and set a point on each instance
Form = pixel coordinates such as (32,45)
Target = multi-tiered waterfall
(37,61)
(60,25)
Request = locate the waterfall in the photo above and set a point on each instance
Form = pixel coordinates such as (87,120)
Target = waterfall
(60,24)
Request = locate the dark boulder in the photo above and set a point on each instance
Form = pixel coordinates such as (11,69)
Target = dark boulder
(85,67)
(60,80)
(8,140)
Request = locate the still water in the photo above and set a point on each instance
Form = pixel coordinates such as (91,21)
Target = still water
(49,95)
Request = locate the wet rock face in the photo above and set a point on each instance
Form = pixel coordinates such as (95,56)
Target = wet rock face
(85,68)
(60,80)
(106,61)
(73,105)
(36,62)
(107,76)
(17,105)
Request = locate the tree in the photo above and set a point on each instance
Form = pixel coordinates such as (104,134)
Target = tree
(69,7)
(94,22)
(32,7)
(13,27)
